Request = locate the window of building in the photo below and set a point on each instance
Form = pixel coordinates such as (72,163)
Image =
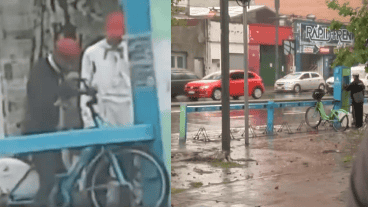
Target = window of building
(178,60)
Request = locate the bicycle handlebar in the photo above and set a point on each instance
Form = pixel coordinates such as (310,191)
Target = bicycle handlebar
(89,91)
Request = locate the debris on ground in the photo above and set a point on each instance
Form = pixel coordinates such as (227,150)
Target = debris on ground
(201,172)
(330,151)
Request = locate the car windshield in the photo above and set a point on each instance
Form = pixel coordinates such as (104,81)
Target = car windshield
(214,76)
(292,76)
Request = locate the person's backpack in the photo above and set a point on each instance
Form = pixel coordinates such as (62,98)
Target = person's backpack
(358,97)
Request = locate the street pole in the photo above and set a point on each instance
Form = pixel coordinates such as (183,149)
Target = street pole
(277,6)
(224,4)
(246,107)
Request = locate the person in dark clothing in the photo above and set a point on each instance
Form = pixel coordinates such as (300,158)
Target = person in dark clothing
(356,89)
(46,83)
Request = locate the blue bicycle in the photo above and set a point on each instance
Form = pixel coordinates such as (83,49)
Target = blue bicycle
(117,175)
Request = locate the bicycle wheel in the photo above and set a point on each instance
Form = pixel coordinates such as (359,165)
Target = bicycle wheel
(313,117)
(340,125)
(146,175)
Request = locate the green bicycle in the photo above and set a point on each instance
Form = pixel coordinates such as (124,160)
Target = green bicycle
(315,114)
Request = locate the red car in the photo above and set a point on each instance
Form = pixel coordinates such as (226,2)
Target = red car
(210,86)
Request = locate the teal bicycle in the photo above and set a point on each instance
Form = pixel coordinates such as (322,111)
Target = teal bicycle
(315,114)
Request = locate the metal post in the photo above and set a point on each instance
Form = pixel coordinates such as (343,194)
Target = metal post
(277,6)
(246,107)
(270,116)
(224,4)
(183,125)
(2,100)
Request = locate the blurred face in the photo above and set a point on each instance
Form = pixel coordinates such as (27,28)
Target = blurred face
(114,41)
(67,63)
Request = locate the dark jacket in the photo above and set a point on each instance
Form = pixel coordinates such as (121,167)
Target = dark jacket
(42,92)
(355,87)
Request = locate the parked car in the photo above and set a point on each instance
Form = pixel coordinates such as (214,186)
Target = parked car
(358,69)
(210,86)
(300,81)
(179,78)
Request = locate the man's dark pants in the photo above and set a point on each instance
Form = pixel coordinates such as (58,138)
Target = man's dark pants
(358,114)
(47,165)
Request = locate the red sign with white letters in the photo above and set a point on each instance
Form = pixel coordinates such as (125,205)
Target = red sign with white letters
(324,50)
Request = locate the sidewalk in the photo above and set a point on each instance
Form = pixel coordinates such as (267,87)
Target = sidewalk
(285,170)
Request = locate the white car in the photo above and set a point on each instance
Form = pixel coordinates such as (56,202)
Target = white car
(330,83)
(300,81)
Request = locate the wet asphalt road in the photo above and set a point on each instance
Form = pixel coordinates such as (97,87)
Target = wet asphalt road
(284,172)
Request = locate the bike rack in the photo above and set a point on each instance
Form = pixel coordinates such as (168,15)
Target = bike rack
(302,123)
(202,131)
(231,135)
(269,106)
(286,125)
(324,124)
(254,135)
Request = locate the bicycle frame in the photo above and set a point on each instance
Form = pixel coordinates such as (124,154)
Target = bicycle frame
(332,116)
(68,180)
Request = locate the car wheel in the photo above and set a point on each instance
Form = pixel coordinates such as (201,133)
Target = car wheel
(297,88)
(193,99)
(257,93)
(322,87)
(236,97)
(216,95)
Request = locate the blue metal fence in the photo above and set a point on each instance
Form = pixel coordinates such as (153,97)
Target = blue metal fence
(75,139)
(269,105)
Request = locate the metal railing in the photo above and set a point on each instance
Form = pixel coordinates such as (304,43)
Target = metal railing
(269,105)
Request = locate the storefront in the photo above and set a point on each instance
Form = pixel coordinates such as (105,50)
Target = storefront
(261,49)
(315,46)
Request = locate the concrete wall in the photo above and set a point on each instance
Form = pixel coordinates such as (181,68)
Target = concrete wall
(191,40)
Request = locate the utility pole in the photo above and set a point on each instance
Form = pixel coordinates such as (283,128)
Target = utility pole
(224,4)
(277,7)
(245,39)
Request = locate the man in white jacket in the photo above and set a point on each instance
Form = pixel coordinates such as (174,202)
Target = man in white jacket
(105,66)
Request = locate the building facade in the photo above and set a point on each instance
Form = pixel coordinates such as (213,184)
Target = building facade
(261,49)
(197,46)
(188,46)
(315,46)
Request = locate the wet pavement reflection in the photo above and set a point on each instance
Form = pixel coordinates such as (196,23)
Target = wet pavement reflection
(284,170)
